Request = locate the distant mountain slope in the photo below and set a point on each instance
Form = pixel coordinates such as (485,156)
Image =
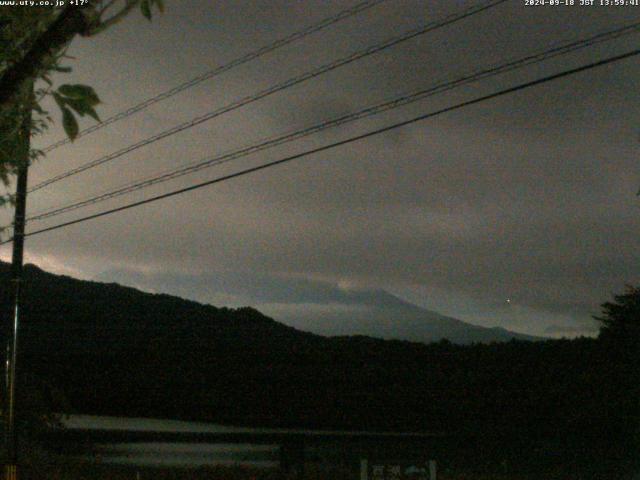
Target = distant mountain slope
(380,314)
(112,350)
(316,306)
(60,312)
(90,317)
(117,350)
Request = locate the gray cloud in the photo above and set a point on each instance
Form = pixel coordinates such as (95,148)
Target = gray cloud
(529,197)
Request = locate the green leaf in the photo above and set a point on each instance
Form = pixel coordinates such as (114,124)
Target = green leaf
(60,100)
(80,92)
(38,109)
(146,9)
(70,91)
(78,106)
(70,124)
(93,114)
(82,107)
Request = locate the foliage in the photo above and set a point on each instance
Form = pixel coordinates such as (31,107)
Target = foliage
(575,400)
(620,334)
(621,319)
(33,42)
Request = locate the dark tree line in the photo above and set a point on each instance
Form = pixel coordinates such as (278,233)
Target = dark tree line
(534,406)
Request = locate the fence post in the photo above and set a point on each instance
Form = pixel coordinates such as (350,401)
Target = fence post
(432,470)
(364,467)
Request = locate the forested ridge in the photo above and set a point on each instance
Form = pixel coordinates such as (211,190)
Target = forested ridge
(113,350)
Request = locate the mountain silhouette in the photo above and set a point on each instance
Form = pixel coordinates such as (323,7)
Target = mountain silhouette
(380,314)
(112,350)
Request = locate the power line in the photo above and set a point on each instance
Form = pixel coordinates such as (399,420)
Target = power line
(330,146)
(276,88)
(561,49)
(326,22)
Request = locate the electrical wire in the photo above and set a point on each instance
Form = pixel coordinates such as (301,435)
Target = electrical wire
(485,73)
(326,22)
(276,88)
(350,140)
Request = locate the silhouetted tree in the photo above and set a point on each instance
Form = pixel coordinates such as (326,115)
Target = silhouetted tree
(33,43)
(620,335)
(621,319)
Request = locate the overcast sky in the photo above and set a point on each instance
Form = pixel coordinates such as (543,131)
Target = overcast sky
(518,212)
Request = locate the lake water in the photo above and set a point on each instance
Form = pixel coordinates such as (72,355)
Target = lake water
(174,454)
(199,454)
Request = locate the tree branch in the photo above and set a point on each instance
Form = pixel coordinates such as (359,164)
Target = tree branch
(103,25)
(71,22)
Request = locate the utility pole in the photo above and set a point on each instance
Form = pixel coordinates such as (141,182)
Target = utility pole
(15,290)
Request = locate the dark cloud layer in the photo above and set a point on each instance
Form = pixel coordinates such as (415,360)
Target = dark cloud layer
(529,197)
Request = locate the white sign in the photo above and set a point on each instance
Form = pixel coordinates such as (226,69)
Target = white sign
(400,470)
